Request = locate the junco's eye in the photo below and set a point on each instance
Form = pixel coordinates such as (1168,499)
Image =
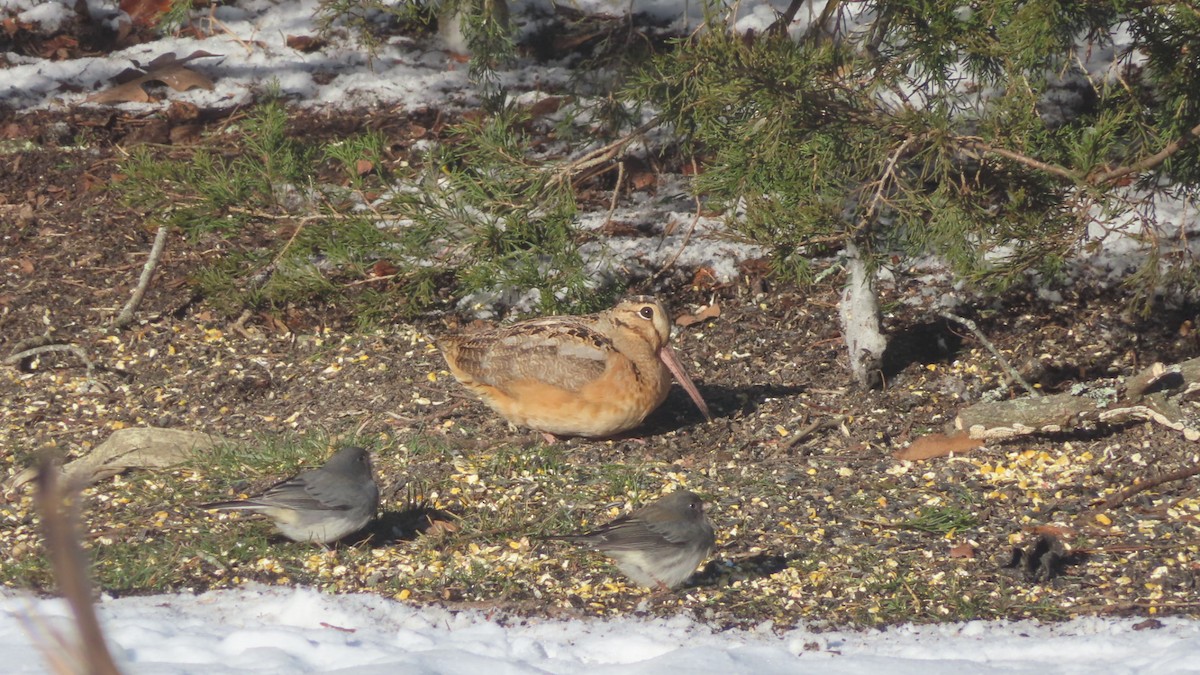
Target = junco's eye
(646,312)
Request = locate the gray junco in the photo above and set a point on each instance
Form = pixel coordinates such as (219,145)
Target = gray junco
(658,545)
(319,505)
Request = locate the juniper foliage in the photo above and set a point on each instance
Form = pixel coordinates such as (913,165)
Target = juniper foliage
(992,133)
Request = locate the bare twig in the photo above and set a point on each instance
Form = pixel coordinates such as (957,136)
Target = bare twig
(1012,372)
(780,25)
(54,647)
(70,571)
(160,242)
(978,145)
(74,349)
(832,8)
(887,178)
(33,341)
(686,239)
(1171,476)
(616,195)
(803,435)
(602,154)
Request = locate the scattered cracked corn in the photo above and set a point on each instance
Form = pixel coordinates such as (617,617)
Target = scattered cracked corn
(268,565)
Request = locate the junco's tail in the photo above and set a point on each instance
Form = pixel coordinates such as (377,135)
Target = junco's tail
(234,505)
(574,538)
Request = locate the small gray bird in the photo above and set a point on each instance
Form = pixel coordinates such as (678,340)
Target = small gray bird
(319,505)
(658,545)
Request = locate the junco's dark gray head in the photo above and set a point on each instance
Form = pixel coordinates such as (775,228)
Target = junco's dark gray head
(319,505)
(658,545)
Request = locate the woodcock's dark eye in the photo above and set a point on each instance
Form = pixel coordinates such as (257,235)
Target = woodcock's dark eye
(646,312)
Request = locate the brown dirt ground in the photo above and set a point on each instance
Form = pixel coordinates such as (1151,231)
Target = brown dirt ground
(813,526)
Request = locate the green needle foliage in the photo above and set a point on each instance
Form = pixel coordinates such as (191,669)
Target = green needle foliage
(483,23)
(971,131)
(498,219)
(479,216)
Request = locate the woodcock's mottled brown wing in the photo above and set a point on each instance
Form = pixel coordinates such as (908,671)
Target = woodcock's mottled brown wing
(560,351)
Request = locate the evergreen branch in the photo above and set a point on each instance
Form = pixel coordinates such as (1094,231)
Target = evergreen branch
(979,145)
(1096,179)
(888,177)
(1150,162)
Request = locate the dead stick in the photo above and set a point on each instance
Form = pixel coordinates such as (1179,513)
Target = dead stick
(160,242)
(780,25)
(686,238)
(601,154)
(74,349)
(1179,474)
(1012,372)
(70,569)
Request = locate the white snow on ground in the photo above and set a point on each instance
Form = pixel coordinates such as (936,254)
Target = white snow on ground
(250,39)
(272,630)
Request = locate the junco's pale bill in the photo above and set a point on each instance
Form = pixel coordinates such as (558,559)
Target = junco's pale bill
(319,505)
(658,545)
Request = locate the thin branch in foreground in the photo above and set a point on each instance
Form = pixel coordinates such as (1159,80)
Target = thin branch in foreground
(1096,179)
(160,242)
(1012,372)
(1171,476)
(979,146)
(1149,162)
(34,351)
(70,571)
(686,239)
(780,25)
(568,171)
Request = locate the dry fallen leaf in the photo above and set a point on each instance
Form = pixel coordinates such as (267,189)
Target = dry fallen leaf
(145,12)
(130,92)
(305,43)
(382,268)
(547,105)
(638,174)
(59,48)
(710,312)
(962,551)
(938,445)
(705,278)
(166,68)
(440,527)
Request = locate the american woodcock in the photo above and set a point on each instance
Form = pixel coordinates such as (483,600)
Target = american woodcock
(594,375)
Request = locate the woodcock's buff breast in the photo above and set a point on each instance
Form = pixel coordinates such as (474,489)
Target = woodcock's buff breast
(593,375)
